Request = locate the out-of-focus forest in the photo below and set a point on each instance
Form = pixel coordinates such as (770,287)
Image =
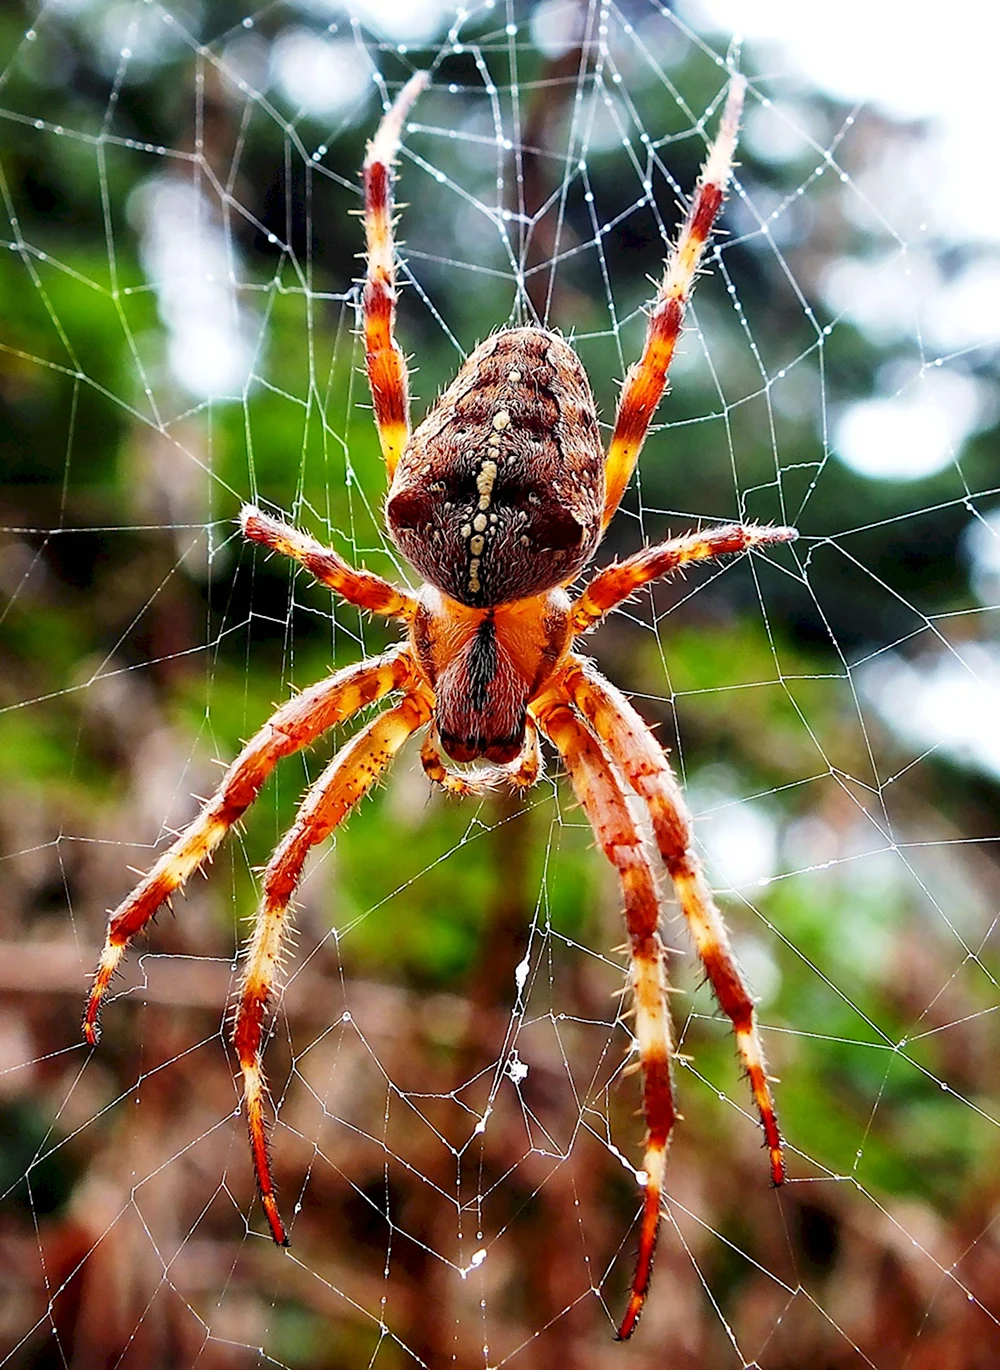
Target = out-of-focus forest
(456,1133)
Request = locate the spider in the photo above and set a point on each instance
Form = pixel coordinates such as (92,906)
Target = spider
(498,499)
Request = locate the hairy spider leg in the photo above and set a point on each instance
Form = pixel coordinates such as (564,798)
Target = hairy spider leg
(295,725)
(384,360)
(521,773)
(619,581)
(603,799)
(360,587)
(636,753)
(647,378)
(343,784)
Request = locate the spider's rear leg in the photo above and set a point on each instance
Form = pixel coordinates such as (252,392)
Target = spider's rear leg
(600,793)
(346,780)
(295,725)
(634,750)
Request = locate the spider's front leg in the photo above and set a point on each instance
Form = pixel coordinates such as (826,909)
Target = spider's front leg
(384,360)
(600,793)
(359,587)
(346,780)
(647,379)
(619,581)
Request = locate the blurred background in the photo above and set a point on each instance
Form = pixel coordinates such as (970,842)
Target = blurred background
(456,1137)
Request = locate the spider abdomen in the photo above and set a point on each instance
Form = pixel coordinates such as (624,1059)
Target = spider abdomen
(500,491)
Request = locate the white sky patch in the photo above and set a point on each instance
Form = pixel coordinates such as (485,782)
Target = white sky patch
(190,263)
(887,53)
(880,293)
(919,192)
(780,130)
(967,310)
(945,703)
(321,76)
(937,186)
(121,27)
(404,21)
(896,294)
(981,544)
(912,434)
(555,27)
(246,58)
(761,968)
(741,840)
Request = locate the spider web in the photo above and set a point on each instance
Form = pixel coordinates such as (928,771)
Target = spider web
(455,1143)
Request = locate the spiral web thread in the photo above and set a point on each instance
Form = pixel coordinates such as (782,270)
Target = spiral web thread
(467,1149)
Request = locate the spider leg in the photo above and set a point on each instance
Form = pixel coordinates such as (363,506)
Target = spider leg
(362,588)
(344,782)
(384,360)
(295,725)
(600,793)
(636,753)
(521,773)
(645,381)
(618,582)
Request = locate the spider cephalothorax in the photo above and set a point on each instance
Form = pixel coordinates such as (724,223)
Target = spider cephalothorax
(499,498)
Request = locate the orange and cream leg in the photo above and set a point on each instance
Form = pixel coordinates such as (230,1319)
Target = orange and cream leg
(621,580)
(359,587)
(384,360)
(521,773)
(646,380)
(602,797)
(346,780)
(295,725)
(642,761)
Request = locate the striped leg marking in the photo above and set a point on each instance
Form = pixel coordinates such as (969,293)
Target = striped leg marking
(600,793)
(294,726)
(646,380)
(634,750)
(360,587)
(346,780)
(386,365)
(621,580)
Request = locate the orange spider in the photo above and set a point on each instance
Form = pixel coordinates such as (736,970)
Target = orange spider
(499,499)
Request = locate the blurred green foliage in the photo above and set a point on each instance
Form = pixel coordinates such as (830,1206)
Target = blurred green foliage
(134,615)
